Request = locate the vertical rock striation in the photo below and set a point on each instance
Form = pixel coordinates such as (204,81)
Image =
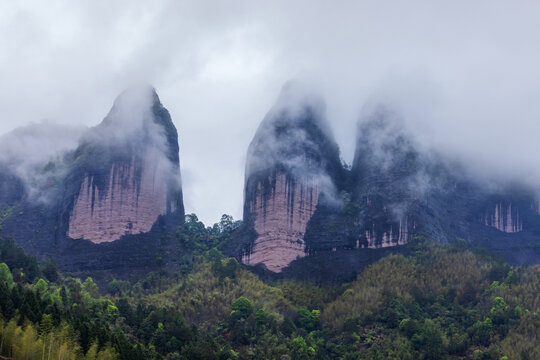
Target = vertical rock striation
(127,207)
(288,175)
(503,218)
(126,171)
(280,220)
(394,192)
(388,238)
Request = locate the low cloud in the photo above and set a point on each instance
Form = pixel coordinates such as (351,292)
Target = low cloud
(464,73)
(131,127)
(35,154)
(288,138)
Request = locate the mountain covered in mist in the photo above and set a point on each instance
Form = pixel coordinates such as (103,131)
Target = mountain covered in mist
(110,197)
(121,179)
(292,169)
(125,172)
(307,215)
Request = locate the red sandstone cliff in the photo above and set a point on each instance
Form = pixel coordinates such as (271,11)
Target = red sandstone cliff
(280,220)
(127,171)
(288,171)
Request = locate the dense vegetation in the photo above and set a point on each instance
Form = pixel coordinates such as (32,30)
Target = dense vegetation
(441,302)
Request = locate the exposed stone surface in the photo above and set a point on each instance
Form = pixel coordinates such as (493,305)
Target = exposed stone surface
(281,218)
(504,218)
(290,165)
(128,170)
(112,203)
(126,207)
(107,199)
(392,237)
(385,170)
(395,192)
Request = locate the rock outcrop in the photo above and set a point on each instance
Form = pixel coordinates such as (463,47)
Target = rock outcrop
(128,171)
(387,172)
(403,192)
(290,171)
(110,199)
(280,213)
(304,211)
(89,194)
(503,218)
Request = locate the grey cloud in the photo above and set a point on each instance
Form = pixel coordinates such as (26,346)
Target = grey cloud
(27,150)
(288,135)
(464,73)
(132,124)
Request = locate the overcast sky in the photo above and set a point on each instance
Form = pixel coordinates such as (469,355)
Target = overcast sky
(464,74)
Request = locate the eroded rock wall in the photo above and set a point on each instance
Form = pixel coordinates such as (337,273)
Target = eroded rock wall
(281,216)
(292,169)
(125,173)
(396,234)
(387,176)
(126,205)
(503,218)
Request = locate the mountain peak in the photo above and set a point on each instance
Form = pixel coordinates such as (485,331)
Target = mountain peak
(289,171)
(293,131)
(132,107)
(127,171)
(297,96)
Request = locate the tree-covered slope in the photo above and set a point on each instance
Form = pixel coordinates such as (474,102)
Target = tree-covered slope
(439,302)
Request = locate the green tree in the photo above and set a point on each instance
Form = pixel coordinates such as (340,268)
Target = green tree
(429,341)
(90,287)
(5,275)
(41,287)
(482,331)
(242,308)
(50,270)
(308,320)
(300,350)
(499,311)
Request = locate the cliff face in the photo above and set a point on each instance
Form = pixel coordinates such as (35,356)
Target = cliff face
(290,171)
(395,192)
(126,171)
(126,207)
(387,172)
(503,218)
(280,213)
(402,193)
(77,198)
(109,199)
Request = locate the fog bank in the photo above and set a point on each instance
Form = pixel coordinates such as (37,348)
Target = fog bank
(463,75)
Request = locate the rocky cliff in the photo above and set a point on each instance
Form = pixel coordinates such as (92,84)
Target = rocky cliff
(120,180)
(503,218)
(127,171)
(291,171)
(403,192)
(111,199)
(386,171)
(395,192)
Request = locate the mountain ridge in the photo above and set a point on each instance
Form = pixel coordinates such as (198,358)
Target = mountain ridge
(116,201)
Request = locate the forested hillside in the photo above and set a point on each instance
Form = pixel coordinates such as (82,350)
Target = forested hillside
(440,302)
